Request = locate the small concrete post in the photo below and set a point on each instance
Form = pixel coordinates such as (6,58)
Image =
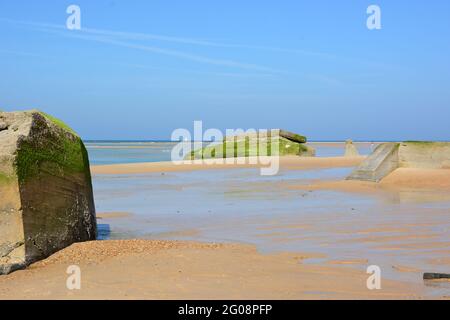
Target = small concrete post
(350,149)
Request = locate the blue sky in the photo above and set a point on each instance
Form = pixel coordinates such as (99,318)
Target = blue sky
(140,69)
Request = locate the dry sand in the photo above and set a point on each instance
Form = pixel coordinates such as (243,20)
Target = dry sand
(288,162)
(418,178)
(113,215)
(400,179)
(144,269)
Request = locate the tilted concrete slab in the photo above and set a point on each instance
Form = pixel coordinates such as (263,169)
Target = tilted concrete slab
(411,154)
(379,164)
(292,136)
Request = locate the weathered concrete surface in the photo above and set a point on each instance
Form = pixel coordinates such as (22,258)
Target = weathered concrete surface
(427,155)
(350,149)
(413,154)
(379,164)
(46,200)
(292,136)
(256,143)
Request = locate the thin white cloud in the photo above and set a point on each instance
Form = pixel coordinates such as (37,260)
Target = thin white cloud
(145,36)
(123,39)
(103,37)
(200,42)
(181,40)
(220,74)
(168,52)
(23,53)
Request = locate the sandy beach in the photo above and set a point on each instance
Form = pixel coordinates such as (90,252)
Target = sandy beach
(404,184)
(287,162)
(225,150)
(242,256)
(139,269)
(400,179)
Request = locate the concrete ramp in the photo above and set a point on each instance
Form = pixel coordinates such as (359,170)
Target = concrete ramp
(379,164)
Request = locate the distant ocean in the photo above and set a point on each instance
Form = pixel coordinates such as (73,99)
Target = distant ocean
(113,152)
(103,152)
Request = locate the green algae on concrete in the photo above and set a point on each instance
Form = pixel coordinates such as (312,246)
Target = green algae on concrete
(66,154)
(58,122)
(246,146)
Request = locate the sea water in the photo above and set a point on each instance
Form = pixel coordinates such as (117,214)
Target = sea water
(271,212)
(115,152)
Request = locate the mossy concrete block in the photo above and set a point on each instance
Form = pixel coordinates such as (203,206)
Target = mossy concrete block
(252,144)
(46,199)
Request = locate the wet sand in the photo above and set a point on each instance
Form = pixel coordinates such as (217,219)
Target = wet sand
(288,162)
(144,269)
(112,215)
(397,224)
(437,180)
(305,234)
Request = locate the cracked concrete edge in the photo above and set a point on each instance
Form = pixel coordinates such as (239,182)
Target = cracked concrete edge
(6,269)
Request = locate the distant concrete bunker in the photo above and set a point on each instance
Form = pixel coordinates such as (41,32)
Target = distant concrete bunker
(412,154)
(250,144)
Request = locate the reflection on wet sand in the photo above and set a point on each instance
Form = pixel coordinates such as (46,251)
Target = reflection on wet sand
(340,223)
